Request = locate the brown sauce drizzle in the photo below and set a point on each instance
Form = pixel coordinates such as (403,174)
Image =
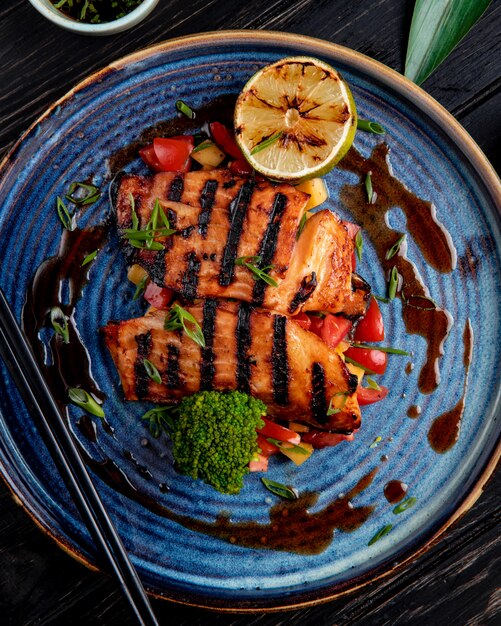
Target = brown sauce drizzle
(292,528)
(421,315)
(444,430)
(414,411)
(395,490)
(69,364)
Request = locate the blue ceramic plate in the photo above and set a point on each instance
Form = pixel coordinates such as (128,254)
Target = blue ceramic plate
(436,160)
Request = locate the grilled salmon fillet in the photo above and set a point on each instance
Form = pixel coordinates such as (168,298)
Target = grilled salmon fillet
(219,218)
(262,353)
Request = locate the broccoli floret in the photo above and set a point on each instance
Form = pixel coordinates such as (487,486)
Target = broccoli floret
(215,437)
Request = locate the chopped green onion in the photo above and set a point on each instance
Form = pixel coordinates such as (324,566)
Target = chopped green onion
(284,445)
(266,142)
(395,248)
(140,287)
(388,349)
(160,419)
(334,410)
(89,258)
(375,442)
(85,401)
(357,364)
(359,244)
(403,506)
(370,127)
(260,273)
(280,490)
(412,302)
(59,323)
(178,318)
(64,215)
(380,534)
(372,383)
(381,298)
(152,371)
(302,224)
(144,238)
(202,146)
(371,195)
(183,108)
(393,284)
(83,194)
(135,219)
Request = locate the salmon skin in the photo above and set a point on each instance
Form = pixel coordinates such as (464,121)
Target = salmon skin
(219,218)
(265,354)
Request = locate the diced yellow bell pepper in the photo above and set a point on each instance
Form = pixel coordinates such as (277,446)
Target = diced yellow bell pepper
(208,155)
(299,428)
(318,192)
(136,274)
(296,456)
(358,371)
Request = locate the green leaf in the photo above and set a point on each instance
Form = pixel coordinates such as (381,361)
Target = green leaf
(437,27)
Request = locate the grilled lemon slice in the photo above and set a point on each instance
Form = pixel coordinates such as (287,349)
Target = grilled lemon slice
(295,119)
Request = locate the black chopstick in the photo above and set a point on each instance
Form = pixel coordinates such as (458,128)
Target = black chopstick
(17,355)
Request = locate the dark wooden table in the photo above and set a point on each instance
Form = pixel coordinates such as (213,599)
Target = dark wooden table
(457,581)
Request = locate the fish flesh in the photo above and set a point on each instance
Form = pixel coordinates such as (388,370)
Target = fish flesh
(263,353)
(220,218)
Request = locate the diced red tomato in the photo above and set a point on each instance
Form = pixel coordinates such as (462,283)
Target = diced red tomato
(173,153)
(353,261)
(365,395)
(324,439)
(303,320)
(267,448)
(150,158)
(370,327)
(275,431)
(334,329)
(261,465)
(225,139)
(241,167)
(316,324)
(373,360)
(159,297)
(351,228)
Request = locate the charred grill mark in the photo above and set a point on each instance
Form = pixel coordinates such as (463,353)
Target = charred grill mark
(176,188)
(156,267)
(318,399)
(207,198)
(186,232)
(171,376)
(189,280)
(308,286)
(141,377)
(279,361)
(238,208)
(269,242)
(207,367)
(352,383)
(243,344)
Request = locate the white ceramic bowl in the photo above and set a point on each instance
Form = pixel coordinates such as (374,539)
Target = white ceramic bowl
(46,8)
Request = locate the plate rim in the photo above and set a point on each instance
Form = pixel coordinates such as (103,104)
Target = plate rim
(483,168)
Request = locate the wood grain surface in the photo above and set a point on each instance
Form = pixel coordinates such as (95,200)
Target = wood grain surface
(457,581)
